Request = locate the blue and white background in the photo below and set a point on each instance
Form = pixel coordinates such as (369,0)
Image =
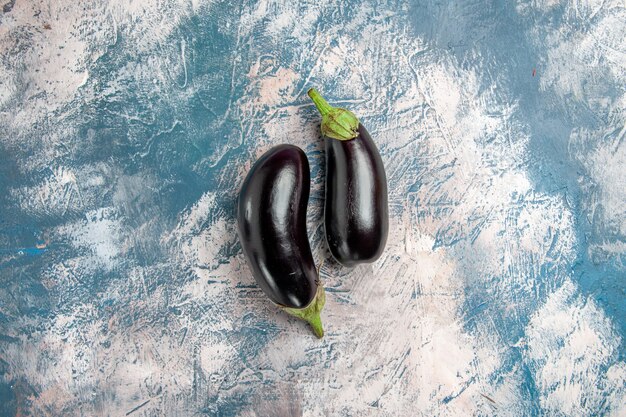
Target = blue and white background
(127,128)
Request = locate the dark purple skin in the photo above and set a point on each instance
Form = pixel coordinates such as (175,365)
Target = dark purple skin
(272,226)
(356,214)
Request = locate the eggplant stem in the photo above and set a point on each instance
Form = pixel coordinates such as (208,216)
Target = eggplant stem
(311,313)
(316,324)
(322,105)
(337,123)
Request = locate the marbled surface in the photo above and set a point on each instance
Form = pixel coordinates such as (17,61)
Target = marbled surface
(128,126)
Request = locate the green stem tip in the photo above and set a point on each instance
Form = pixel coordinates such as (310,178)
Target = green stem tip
(337,123)
(322,105)
(311,313)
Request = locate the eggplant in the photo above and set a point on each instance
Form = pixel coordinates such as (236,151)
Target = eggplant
(272,229)
(356,216)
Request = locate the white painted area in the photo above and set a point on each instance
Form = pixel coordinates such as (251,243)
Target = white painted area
(603,154)
(98,236)
(56,194)
(64,191)
(572,349)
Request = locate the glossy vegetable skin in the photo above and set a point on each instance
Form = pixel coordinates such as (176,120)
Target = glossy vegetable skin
(356,215)
(272,229)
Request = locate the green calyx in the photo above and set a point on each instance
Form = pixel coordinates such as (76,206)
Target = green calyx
(337,123)
(311,313)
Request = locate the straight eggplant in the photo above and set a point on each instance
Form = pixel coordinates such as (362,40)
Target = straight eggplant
(356,217)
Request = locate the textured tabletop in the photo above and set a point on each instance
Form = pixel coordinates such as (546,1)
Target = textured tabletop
(127,127)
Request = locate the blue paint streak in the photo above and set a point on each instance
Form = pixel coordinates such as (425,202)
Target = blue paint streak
(25,251)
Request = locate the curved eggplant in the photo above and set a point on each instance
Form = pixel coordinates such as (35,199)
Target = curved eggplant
(272,230)
(356,217)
